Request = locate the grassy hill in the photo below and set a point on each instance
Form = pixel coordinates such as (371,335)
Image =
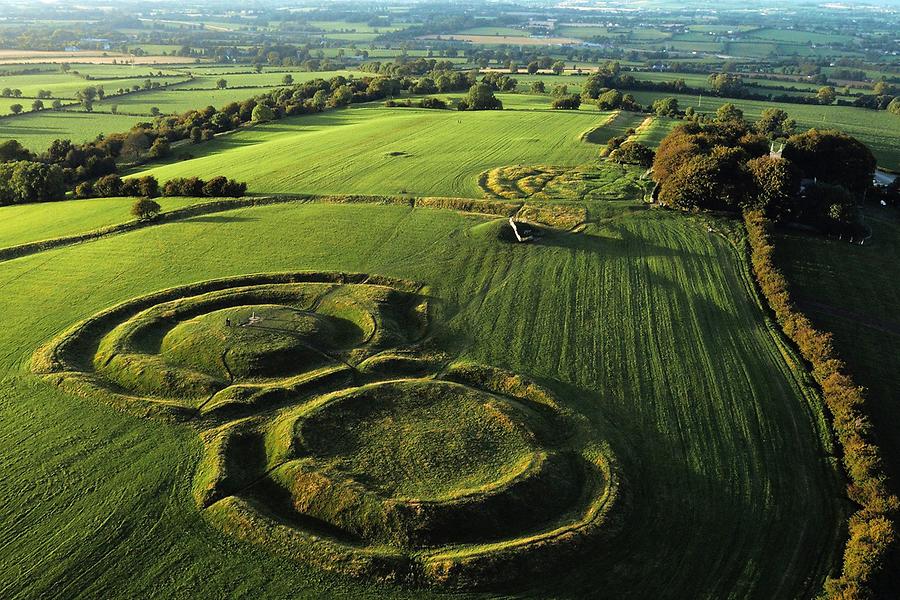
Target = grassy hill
(648,330)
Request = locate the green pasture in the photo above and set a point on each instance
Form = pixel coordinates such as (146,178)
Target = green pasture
(796,36)
(66,86)
(648,329)
(25,223)
(354,26)
(653,133)
(488,30)
(373,150)
(37,130)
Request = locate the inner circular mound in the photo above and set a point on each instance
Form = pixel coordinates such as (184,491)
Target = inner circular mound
(425,440)
(265,340)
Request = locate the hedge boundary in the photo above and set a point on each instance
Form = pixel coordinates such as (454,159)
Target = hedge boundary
(872,526)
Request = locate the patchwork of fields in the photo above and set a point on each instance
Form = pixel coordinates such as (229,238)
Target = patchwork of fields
(640,325)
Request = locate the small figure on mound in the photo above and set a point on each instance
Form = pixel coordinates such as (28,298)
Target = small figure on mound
(227,322)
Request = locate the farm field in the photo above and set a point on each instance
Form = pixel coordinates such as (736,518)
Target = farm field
(850,291)
(394,150)
(647,312)
(85,56)
(619,125)
(65,86)
(37,130)
(653,133)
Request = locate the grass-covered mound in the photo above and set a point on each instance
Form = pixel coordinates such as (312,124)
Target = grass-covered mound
(223,343)
(336,434)
(466,480)
(606,181)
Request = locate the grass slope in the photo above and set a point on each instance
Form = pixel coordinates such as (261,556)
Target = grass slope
(647,329)
(389,151)
(25,223)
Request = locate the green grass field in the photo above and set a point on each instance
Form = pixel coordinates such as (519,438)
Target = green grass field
(37,130)
(649,331)
(653,133)
(372,150)
(34,222)
(65,85)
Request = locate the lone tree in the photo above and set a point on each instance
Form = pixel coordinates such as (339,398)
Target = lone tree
(145,208)
(222,84)
(826,95)
(16,108)
(287,79)
(480,97)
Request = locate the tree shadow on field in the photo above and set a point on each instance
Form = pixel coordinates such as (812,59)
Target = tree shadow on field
(612,241)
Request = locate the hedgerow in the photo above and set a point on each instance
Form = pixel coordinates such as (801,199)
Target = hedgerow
(871,528)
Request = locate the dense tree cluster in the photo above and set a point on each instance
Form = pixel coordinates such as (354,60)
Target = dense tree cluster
(500,82)
(726,165)
(148,187)
(614,99)
(480,97)
(571,102)
(28,181)
(833,157)
(427,102)
(632,153)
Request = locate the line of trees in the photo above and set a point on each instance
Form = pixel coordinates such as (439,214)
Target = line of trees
(871,527)
(148,187)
